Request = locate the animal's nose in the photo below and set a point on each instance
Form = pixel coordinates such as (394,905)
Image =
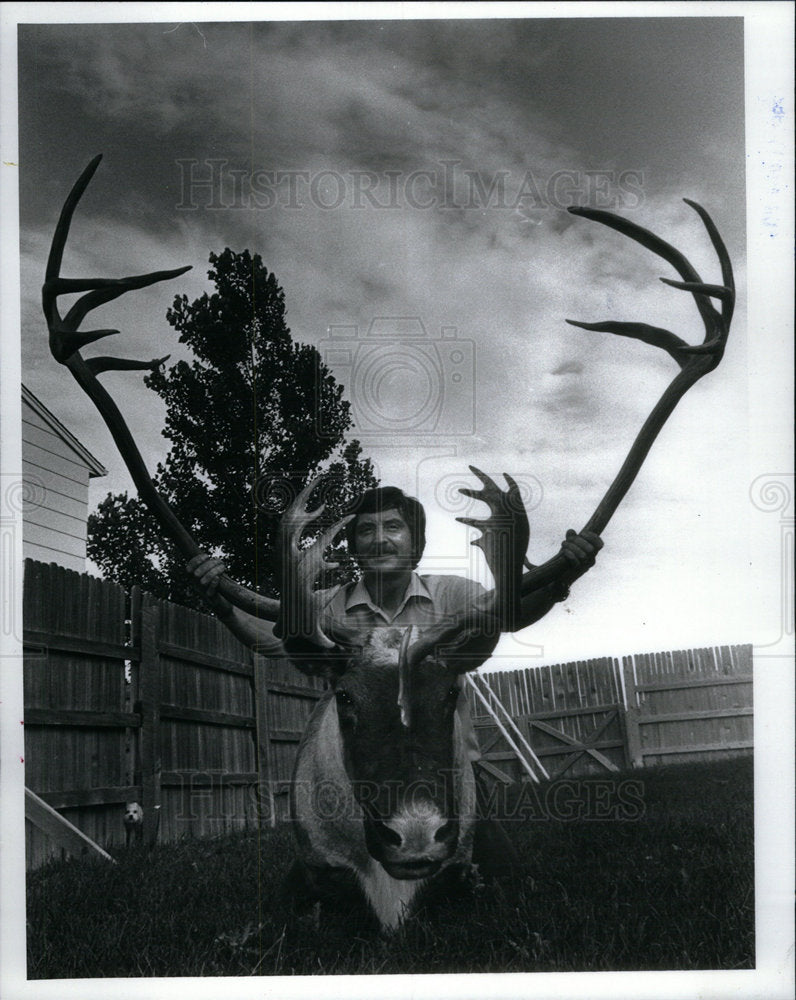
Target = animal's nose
(386,834)
(447,833)
(419,834)
(412,843)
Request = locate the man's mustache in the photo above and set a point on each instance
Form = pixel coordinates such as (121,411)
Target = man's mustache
(384,549)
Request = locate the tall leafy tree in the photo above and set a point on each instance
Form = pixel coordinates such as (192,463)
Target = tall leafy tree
(249,420)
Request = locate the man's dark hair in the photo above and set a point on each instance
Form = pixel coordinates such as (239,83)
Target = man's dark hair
(390,498)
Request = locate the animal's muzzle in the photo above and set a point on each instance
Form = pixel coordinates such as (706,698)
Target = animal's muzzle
(412,843)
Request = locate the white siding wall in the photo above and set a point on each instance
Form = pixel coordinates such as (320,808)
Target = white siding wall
(54,514)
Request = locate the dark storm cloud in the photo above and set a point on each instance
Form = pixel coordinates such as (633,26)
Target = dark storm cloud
(527,117)
(568,368)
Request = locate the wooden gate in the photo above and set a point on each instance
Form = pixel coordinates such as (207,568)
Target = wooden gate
(571,715)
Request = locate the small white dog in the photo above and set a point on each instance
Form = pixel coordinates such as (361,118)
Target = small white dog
(133,822)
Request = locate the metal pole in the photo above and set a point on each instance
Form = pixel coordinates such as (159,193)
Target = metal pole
(514,726)
(502,729)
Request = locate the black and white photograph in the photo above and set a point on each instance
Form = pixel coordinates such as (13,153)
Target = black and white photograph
(397,500)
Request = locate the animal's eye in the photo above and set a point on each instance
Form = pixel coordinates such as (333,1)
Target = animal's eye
(344,700)
(453,692)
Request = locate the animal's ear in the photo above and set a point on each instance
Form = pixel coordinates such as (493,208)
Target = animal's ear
(329,662)
(471,654)
(461,646)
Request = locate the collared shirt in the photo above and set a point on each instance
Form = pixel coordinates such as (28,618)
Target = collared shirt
(428,600)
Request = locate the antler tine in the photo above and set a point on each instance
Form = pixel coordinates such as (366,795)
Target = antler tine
(64,220)
(654,335)
(104,290)
(105,364)
(721,252)
(701,287)
(66,343)
(298,515)
(658,246)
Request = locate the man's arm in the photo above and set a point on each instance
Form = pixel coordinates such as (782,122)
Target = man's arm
(205,572)
(581,552)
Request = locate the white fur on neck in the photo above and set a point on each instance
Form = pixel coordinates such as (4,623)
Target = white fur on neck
(390,898)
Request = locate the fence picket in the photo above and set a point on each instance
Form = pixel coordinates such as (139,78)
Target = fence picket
(265,761)
(150,687)
(633,741)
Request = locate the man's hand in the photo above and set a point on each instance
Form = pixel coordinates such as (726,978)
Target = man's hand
(205,572)
(581,552)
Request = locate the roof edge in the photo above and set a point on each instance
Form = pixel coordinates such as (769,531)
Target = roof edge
(95,467)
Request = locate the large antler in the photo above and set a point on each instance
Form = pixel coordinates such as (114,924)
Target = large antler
(65,344)
(301,565)
(470,637)
(504,541)
(694,361)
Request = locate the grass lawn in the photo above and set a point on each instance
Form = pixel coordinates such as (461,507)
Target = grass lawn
(667,883)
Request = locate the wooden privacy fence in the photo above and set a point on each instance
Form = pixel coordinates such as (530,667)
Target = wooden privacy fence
(687,705)
(77,715)
(219,725)
(141,700)
(149,702)
(605,715)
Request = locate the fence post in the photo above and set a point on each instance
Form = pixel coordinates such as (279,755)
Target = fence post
(635,757)
(265,788)
(132,688)
(150,694)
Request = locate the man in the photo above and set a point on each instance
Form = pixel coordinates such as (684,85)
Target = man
(386,537)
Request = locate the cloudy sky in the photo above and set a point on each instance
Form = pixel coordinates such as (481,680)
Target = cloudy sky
(407,182)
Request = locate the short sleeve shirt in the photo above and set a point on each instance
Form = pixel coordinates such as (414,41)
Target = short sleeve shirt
(428,600)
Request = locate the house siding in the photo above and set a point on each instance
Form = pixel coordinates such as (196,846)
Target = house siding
(55,506)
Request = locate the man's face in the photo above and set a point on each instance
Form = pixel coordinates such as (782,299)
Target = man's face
(383,542)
